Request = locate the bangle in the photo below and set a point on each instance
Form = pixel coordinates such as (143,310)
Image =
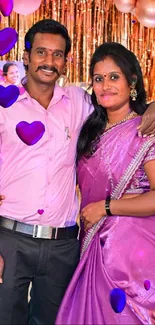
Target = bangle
(107,206)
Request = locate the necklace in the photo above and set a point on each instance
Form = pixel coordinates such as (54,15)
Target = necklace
(128,117)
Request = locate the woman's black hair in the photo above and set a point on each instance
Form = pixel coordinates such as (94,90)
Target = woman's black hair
(6,67)
(96,123)
(48,26)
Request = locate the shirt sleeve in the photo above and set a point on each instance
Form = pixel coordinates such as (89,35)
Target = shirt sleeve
(150,155)
(81,102)
(88,108)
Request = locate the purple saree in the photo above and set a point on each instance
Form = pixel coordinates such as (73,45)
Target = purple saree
(118,252)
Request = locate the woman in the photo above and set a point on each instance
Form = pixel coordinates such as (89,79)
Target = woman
(116,174)
(11,74)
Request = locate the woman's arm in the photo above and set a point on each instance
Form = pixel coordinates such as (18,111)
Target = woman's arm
(139,206)
(142,205)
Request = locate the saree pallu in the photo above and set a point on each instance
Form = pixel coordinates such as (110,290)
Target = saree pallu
(118,251)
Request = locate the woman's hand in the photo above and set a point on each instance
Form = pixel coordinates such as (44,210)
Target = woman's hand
(92,213)
(1,268)
(147,126)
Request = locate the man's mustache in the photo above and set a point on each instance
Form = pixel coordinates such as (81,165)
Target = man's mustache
(45,67)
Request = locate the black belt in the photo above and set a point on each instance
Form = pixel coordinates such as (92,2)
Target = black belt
(38,231)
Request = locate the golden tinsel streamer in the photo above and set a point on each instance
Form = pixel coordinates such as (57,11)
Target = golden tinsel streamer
(90,23)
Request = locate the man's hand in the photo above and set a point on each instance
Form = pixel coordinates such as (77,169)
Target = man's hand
(147,126)
(2,197)
(92,213)
(1,268)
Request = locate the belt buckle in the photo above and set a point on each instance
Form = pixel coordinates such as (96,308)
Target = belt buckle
(44,232)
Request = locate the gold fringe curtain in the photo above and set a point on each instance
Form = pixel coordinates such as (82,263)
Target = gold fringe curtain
(90,22)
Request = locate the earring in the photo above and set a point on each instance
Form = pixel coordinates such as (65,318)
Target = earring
(133,92)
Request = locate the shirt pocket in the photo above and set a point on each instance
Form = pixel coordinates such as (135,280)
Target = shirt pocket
(66,147)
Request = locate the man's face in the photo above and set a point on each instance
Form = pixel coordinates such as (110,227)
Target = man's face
(47,61)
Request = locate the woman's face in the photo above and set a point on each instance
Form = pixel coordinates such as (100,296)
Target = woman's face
(110,85)
(12,76)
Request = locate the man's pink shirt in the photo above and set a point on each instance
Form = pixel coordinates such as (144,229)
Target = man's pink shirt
(42,176)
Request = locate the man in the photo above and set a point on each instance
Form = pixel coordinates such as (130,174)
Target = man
(39,134)
(38,231)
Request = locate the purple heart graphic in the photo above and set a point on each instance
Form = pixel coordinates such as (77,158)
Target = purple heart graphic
(41,211)
(8,38)
(30,133)
(6,7)
(117,300)
(8,95)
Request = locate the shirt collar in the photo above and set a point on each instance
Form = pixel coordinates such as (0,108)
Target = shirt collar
(59,92)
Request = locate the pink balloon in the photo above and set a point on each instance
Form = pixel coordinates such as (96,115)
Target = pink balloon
(133,11)
(26,7)
(145,12)
(150,23)
(6,7)
(125,5)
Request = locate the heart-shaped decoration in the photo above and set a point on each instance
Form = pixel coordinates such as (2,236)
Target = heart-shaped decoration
(6,7)
(8,95)
(147,285)
(118,300)
(30,133)
(8,38)
(41,211)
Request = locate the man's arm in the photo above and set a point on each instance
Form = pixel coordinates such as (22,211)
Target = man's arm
(147,127)
(1,258)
